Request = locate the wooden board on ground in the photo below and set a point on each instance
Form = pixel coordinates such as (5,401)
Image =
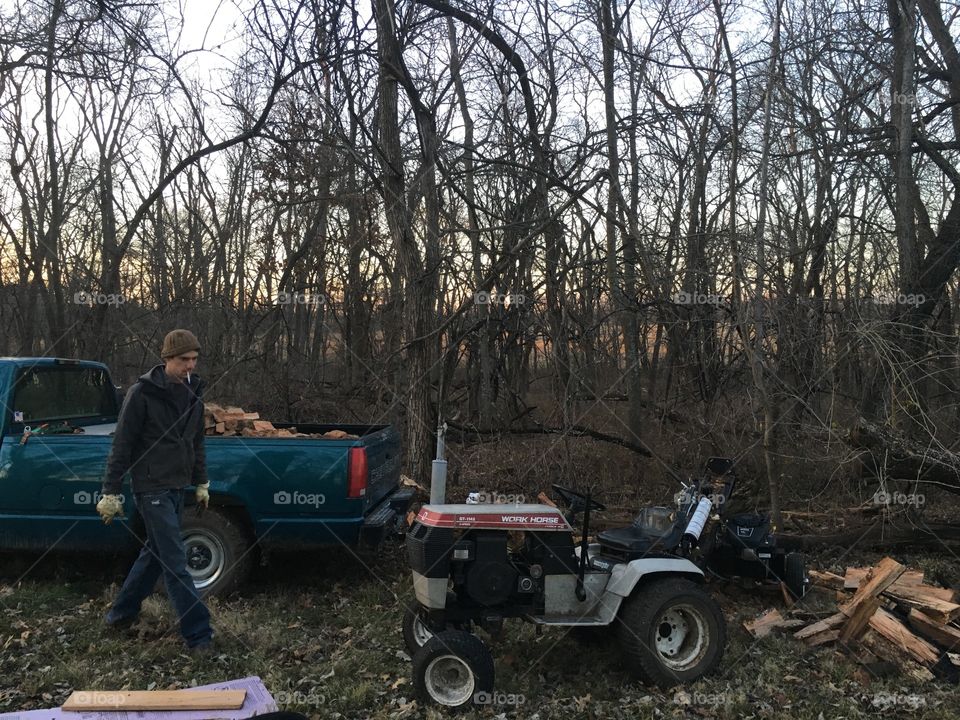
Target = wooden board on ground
(131,700)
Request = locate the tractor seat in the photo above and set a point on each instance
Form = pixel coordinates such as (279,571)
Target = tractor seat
(654,530)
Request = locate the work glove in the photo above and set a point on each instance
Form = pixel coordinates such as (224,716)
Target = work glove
(109,507)
(203,495)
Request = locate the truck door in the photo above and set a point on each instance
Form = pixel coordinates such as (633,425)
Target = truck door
(53,458)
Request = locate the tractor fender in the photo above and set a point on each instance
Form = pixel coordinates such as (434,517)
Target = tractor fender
(624,577)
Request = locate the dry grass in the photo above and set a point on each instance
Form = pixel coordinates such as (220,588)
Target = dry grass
(324,629)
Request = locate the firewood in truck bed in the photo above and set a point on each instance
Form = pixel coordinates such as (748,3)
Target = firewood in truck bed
(233,421)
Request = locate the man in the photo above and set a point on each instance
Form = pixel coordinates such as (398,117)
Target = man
(159,441)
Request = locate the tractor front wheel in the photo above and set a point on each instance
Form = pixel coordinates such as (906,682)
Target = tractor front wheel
(453,669)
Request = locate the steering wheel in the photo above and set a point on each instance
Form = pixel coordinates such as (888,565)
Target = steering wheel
(576,501)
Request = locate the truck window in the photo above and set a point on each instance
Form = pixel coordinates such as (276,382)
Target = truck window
(43,394)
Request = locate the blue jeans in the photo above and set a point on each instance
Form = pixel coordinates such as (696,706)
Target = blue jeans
(163,553)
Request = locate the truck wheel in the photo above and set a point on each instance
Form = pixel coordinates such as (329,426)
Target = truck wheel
(671,632)
(795,574)
(452,669)
(218,551)
(416,631)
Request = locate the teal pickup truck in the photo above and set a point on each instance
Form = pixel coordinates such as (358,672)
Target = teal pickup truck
(265,493)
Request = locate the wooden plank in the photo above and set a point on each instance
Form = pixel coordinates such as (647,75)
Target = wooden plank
(130,700)
(823,638)
(830,623)
(857,622)
(917,597)
(762,626)
(946,636)
(944,594)
(854,576)
(899,634)
(826,579)
(892,653)
(878,580)
(788,599)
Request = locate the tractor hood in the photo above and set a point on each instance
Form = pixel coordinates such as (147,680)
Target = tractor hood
(491,516)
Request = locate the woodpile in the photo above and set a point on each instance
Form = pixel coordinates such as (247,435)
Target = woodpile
(235,421)
(885,614)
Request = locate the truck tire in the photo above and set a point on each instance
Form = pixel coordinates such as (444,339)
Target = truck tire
(218,551)
(795,574)
(454,669)
(671,632)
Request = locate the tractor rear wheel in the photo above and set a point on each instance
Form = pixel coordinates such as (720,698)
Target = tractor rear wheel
(671,632)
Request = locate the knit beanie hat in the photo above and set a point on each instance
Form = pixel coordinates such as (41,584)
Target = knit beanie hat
(178,342)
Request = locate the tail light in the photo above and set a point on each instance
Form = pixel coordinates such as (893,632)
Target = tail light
(357,473)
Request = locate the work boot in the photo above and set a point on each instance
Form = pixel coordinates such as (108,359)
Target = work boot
(121,624)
